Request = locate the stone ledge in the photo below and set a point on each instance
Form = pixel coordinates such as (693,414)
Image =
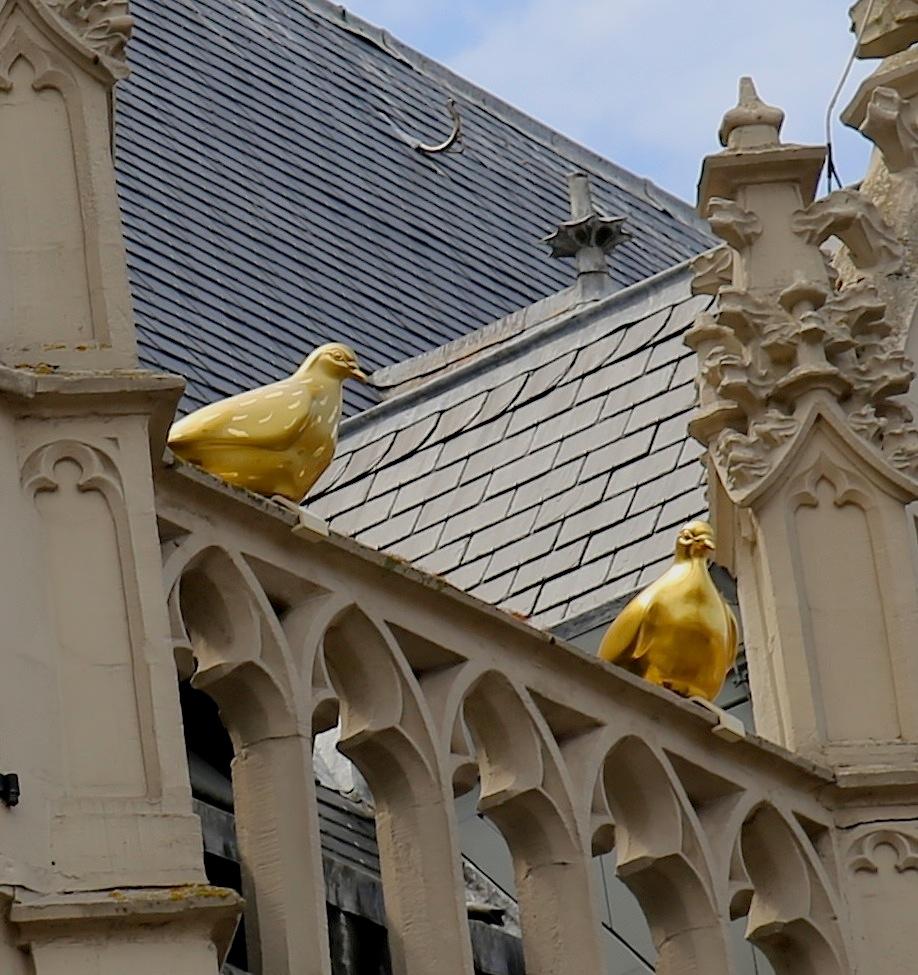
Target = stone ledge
(43,387)
(48,917)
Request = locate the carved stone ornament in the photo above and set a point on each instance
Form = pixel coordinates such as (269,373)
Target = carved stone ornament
(863,853)
(892,26)
(782,335)
(888,124)
(103,25)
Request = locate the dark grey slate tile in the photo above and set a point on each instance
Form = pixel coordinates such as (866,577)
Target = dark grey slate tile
(269,204)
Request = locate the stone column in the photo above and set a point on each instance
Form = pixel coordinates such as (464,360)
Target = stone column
(103,847)
(813,459)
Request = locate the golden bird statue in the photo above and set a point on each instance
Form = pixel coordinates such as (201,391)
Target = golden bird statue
(679,632)
(275,440)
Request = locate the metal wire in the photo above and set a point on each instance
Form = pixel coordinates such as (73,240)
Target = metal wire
(831,170)
(605,886)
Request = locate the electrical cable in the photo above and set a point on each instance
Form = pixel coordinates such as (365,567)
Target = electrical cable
(831,170)
(608,927)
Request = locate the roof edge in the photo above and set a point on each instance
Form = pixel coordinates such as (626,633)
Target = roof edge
(444,380)
(638,185)
(427,366)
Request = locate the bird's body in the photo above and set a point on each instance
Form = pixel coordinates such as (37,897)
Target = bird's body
(276,440)
(679,632)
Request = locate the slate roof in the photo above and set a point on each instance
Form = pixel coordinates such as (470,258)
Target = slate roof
(273,200)
(547,474)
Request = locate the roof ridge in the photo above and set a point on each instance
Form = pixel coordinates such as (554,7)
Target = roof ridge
(496,354)
(641,186)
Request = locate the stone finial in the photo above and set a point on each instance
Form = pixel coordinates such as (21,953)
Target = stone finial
(751,124)
(885,27)
(588,236)
(783,336)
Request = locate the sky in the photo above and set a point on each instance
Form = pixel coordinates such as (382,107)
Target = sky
(645,82)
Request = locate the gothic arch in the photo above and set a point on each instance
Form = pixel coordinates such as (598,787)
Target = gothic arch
(793,915)
(665,859)
(220,612)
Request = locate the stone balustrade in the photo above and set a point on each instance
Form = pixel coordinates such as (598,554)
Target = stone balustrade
(437,692)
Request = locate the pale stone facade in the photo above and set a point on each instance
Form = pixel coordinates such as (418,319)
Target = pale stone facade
(122,564)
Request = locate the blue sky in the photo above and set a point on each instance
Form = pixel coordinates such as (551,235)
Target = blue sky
(643,82)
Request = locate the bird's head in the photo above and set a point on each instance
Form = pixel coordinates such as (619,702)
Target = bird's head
(336,361)
(696,539)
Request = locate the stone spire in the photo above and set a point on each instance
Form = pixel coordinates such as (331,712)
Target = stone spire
(811,454)
(588,237)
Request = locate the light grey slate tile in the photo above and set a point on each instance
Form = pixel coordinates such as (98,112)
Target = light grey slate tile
(454,502)
(366,458)
(393,529)
(501,397)
(665,352)
(641,333)
(523,469)
(642,470)
(334,471)
(643,552)
(599,517)
(550,617)
(505,531)
(692,450)
(495,590)
(521,552)
(654,493)
(685,313)
(419,543)
(626,388)
(407,470)
(686,369)
(477,438)
(573,584)
(467,576)
(574,419)
(443,560)
(476,519)
(617,453)
(439,481)
(667,404)
(603,595)
(676,511)
(569,502)
(546,409)
(546,377)
(597,435)
(621,536)
(671,431)
(650,573)
(490,458)
(596,353)
(412,438)
(555,562)
(459,417)
(335,502)
(522,603)
(558,480)
(359,519)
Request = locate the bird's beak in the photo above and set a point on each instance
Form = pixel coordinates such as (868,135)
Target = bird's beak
(708,543)
(359,374)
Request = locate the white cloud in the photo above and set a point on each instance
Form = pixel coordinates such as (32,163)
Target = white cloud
(645,82)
